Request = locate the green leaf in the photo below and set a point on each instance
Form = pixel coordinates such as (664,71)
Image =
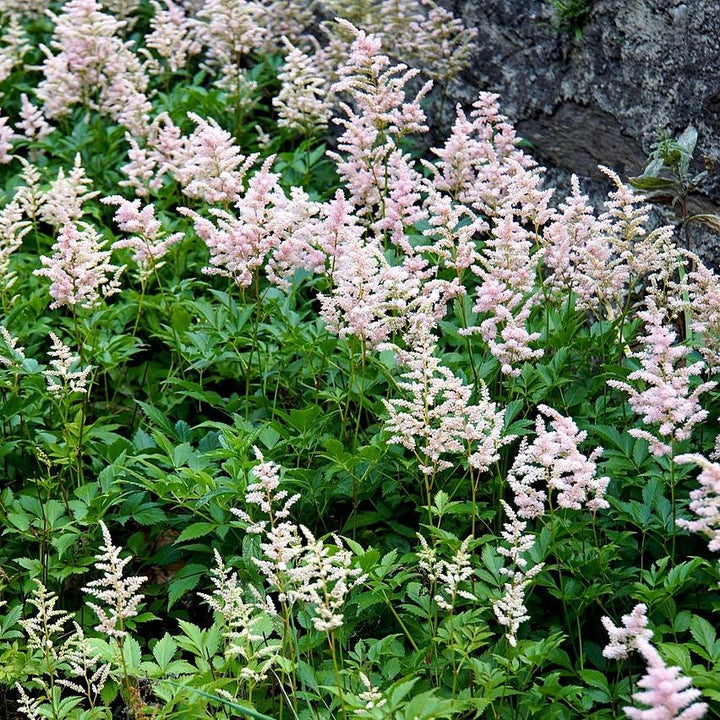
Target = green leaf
(164,651)
(703,633)
(185,579)
(131,653)
(196,530)
(242,709)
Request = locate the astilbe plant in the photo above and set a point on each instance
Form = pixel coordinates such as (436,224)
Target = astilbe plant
(567,478)
(80,270)
(668,401)
(704,500)
(88,64)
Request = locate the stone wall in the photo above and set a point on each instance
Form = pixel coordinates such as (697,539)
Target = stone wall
(637,67)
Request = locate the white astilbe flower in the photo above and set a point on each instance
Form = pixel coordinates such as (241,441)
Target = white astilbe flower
(553,463)
(296,565)
(371,696)
(625,638)
(84,662)
(323,577)
(705,500)
(664,690)
(32,708)
(448,575)
(47,625)
(13,228)
(80,270)
(510,609)
(62,379)
(245,623)
(303,101)
(117,595)
(12,355)
(666,401)
(438,418)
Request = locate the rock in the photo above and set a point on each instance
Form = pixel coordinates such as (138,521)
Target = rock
(601,95)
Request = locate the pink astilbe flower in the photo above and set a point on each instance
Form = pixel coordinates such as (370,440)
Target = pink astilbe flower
(147,243)
(553,463)
(172,36)
(667,401)
(211,166)
(93,67)
(64,378)
(438,418)
(625,638)
(452,230)
(704,307)
(117,594)
(80,270)
(65,198)
(230,30)
(303,101)
(32,122)
(507,270)
(510,609)
(705,500)
(163,152)
(480,166)
(665,691)
(239,244)
(369,161)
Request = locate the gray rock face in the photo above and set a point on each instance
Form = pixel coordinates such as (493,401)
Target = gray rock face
(638,66)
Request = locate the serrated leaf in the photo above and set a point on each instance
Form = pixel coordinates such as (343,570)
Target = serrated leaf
(164,651)
(184,580)
(196,530)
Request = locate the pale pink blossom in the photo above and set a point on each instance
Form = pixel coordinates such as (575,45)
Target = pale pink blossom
(705,500)
(117,595)
(666,402)
(211,166)
(80,270)
(172,36)
(304,101)
(553,466)
(510,609)
(665,691)
(32,122)
(67,194)
(147,241)
(625,638)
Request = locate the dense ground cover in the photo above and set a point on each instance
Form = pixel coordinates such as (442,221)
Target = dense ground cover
(300,420)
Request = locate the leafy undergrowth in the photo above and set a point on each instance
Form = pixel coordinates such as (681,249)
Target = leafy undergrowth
(300,421)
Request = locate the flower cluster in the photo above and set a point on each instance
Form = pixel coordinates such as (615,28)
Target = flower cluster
(705,500)
(510,609)
(62,379)
(117,594)
(80,270)
(147,243)
(553,461)
(665,692)
(625,638)
(667,401)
